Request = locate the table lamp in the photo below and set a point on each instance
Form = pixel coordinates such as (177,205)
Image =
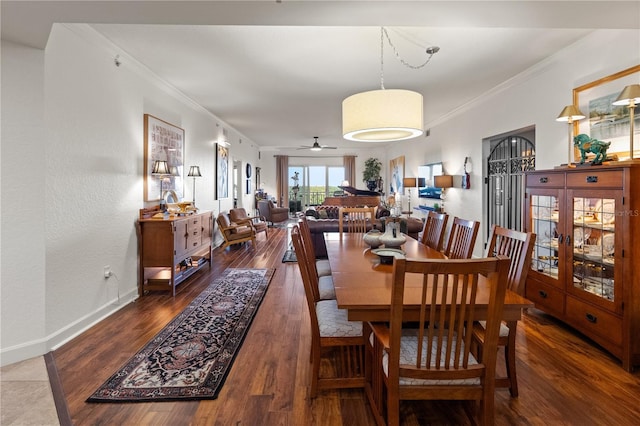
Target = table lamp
(409,183)
(630,97)
(194,172)
(161,170)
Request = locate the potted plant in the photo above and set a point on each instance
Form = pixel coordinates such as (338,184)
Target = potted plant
(371,173)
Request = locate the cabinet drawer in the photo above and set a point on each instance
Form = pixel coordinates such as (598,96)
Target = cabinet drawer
(542,180)
(599,179)
(594,320)
(546,297)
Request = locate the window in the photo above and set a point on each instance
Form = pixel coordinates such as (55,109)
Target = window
(315,183)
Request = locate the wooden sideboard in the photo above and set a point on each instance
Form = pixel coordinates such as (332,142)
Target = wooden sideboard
(171,250)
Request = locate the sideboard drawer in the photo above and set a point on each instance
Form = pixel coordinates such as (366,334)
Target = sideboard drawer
(595,179)
(546,297)
(541,180)
(587,317)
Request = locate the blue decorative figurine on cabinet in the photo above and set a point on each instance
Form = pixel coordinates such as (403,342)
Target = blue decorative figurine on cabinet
(586,145)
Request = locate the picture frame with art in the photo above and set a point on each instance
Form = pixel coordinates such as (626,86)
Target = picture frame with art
(396,168)
(605,121)
(163,141)
(222,171)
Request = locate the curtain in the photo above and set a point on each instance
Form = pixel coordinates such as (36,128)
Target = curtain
(349,163)
(282,180)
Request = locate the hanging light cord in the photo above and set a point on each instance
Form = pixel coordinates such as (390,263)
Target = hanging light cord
(432,50)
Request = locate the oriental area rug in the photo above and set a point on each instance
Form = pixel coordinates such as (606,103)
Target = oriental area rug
(189,358)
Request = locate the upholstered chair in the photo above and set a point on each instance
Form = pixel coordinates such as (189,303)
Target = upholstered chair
(271,212)
(239,217)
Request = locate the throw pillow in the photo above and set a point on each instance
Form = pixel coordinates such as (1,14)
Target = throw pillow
(322,214)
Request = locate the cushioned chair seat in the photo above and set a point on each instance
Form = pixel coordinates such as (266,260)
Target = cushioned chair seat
(408,353)
(326,289)
(324,270)
(333,322)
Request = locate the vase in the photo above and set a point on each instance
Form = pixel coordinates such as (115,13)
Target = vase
(372,238)
(392,236)
(372,184)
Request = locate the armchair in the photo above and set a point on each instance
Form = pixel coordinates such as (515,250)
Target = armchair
(234,234)
(239,217)
(271,212)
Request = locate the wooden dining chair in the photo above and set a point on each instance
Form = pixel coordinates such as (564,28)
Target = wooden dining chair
(462,238)
(518,246)
(433,359)
(322,266)
(322,286)
(433,231)
(356,219)
(333,336)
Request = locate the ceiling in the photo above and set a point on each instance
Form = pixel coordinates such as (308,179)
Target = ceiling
(277,71)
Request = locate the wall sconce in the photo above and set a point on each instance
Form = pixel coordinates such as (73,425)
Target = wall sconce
(569,114)
(161,170)
(630,97)
(443,182)
(409,183)
(194,172)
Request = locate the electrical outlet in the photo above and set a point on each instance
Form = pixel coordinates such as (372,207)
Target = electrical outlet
(107,271)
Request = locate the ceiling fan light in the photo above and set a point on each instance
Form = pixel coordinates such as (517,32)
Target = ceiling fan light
(315,148)
(383,115)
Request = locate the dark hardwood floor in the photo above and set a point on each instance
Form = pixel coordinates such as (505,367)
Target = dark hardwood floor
(564,378)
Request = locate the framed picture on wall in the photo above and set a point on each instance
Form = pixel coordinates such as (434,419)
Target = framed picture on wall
(396,168)
(605,121)
(222,171)
(162,142)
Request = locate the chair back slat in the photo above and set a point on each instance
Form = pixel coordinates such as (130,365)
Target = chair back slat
(356,219)
(462,238)
(434,229)
(307,242)
(310,284)
(449,294)
(516,245)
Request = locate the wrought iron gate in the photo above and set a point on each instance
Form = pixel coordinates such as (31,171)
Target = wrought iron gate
(510,157)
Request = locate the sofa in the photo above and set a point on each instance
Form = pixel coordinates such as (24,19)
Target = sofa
(271,212)
(323,219)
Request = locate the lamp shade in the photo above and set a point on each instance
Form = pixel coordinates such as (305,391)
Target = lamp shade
(409,182)
(444,181)
(383,115)
(570,113)
(160,167)
(629,95)
(194,171)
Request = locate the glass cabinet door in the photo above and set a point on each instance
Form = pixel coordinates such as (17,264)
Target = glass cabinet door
(593,244)
(545,217)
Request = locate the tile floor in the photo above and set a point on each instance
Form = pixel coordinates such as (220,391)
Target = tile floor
(25,395)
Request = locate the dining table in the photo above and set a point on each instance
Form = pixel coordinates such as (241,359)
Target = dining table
(363,282)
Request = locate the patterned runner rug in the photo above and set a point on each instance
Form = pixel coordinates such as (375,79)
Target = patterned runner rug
(190,357)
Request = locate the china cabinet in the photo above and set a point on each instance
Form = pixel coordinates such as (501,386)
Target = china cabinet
(587,221)
(173,249)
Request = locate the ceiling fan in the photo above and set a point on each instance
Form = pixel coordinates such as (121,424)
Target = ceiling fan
(316,146)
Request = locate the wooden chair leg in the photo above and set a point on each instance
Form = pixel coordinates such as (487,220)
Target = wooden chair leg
(315,372)
(510,358)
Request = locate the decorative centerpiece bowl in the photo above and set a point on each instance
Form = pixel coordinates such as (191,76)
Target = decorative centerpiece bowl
(183,206)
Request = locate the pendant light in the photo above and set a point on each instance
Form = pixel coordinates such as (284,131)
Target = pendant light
(384,115)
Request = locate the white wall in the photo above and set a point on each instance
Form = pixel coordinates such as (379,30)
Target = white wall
(74,120)
(72,163)
(22,233)
(532,99)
